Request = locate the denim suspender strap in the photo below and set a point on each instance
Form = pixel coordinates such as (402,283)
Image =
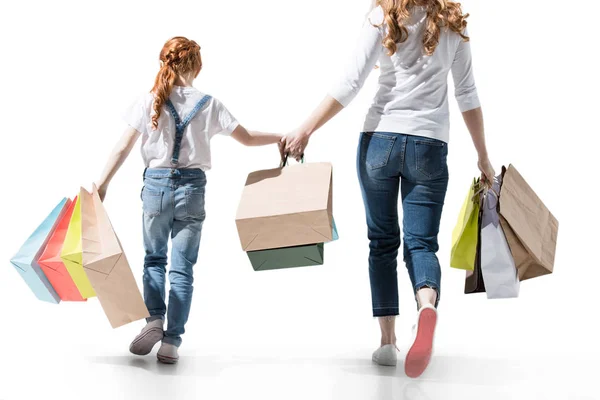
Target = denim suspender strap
(180,126)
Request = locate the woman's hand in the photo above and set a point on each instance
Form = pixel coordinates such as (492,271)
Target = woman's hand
(487,171)
(295,144)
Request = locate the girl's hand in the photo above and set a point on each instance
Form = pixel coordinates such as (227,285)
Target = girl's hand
(487,171)
(295,144)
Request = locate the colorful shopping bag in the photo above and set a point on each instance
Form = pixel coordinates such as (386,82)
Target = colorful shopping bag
(53,266)
(106,266)
(26,259)
(497,263)
(290,257)
(71,254)
(464,236)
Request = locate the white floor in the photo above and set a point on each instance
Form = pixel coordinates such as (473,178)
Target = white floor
(232,372)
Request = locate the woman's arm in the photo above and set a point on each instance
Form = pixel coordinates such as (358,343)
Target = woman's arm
(116,159)
(465,92)
(474,121)
(360,65)
(296,142)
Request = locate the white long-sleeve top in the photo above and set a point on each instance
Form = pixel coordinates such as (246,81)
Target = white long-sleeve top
(413,87)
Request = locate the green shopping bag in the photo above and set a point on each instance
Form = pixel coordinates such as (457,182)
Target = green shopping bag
(290,257)
(464,236)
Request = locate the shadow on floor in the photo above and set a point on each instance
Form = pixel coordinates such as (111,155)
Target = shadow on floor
(443,368)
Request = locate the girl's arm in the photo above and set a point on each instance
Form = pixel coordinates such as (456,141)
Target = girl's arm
(117,158)
(254,138)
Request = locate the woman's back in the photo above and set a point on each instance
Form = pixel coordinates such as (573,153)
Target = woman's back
(413,91)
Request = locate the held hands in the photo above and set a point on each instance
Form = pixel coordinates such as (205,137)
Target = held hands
(294,144)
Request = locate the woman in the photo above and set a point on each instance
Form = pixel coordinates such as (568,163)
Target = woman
(403,150)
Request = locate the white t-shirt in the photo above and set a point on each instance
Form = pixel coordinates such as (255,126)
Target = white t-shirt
(157,145)
(413,87)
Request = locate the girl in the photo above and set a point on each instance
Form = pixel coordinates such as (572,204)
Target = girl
(176,122)
(403,150)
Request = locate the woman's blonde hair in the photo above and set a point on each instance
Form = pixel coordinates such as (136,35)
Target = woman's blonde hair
(178,57)
(440,14)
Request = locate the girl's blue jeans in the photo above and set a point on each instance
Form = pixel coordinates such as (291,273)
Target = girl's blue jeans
(173,203)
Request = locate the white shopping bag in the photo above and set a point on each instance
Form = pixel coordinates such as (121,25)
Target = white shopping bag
(498,267)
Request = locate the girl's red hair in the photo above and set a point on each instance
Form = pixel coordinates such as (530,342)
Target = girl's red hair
(179,56)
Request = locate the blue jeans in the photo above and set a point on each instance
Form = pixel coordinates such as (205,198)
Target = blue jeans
(389,164)
(173,207)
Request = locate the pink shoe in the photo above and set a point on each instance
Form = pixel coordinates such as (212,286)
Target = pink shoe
(419,354)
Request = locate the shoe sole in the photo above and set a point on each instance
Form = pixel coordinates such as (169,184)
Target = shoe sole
(419,355)
(145,342)
(167,359)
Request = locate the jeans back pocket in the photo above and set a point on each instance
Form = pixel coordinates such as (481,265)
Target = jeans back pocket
(430,157)
(194,203)
(152,201)
(376,149)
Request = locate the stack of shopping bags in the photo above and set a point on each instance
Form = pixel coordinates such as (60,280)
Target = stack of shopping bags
(505,234)
(75,255)
(285,216)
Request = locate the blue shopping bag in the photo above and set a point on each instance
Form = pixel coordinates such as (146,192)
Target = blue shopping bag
(26,259)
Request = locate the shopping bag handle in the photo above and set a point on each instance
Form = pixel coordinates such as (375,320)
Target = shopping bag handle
(284,162)
(479,188)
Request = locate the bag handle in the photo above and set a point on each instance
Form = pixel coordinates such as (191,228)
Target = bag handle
(478,189)
(285,163)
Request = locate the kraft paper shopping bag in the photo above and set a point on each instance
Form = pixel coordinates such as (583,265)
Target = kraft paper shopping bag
(26,259)
(71,254)
(106,266)
(286,207)
(464,235)
(53,266)
(497,263)
(530,228)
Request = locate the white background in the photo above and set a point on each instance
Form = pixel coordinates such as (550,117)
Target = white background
(70,68)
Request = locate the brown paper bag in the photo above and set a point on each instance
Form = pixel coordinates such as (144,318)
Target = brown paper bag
(106,266)
(530,228)
(285,207)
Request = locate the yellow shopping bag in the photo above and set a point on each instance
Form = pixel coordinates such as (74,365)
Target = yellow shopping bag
(464,236)
(71,254)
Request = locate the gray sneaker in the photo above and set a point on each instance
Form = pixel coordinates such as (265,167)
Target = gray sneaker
(148,337)
(168,354)
(386,355)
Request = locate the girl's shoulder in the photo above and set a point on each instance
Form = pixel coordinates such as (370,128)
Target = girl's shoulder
(144,101)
